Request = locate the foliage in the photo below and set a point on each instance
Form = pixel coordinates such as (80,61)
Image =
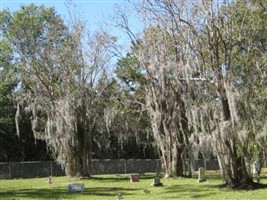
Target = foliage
(198,55)
(131,104)
(59,81)
(12,147)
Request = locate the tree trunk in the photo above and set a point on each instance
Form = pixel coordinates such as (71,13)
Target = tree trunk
(84,134)
(233,167)
(165,162)
(234,170)
(178,162)
(235,174)
(85,159)
(72,165)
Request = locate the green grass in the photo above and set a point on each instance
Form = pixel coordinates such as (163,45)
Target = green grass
(106,187)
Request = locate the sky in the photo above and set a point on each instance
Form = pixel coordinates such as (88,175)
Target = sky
(88,8)
(95,12)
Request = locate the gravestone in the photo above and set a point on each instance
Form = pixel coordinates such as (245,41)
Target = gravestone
(156,182)
(256,167)
(134,178)
(201,174)
(76,187)
(257,170)
(158,171)
(49,180)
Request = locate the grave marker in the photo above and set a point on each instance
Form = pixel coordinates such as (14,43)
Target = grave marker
(76,187)
(201,174)
(134,178)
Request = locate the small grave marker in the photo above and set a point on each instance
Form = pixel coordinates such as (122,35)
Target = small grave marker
(49,180)
(134,178)
(156,182)
(76,187)
(257,170)
(201,174)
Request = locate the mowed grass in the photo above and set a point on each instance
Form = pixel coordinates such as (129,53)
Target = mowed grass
(107,186)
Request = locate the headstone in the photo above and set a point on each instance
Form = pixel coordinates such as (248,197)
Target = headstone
(76,187)
(256,167)
(248,166)
(201,174)
(49,180)
(134,178)
(257,170)
(156,182)
(158,171)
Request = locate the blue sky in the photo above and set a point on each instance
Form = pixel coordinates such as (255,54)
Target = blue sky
(95,12)
(90,8)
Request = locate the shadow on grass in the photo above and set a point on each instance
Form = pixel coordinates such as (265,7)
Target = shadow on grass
(191,191)
(110,191)
(36,194)
(119,178)
(115,178)
(59,193)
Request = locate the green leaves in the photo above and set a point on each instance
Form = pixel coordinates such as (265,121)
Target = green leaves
(130,72)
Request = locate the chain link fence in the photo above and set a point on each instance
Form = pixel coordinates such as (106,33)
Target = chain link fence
(104,166)
(30,169)
(34,169)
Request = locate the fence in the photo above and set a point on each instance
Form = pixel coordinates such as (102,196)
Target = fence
(106,166)
(30,169)
(51,168)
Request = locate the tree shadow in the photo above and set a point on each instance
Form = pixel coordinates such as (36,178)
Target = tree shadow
(187,191)
(110,191)
(62,193)
(116,178)
(245,186)
(48,193)
(120,177)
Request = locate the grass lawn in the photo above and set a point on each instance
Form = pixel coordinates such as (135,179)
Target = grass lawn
(106,187)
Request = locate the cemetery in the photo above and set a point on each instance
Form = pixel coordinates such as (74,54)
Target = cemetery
(205,184)
(127,99)
(113,187)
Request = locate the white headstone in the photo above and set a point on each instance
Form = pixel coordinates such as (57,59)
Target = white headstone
(257,170)
(49,180)
(256,167)
(201,174)
(76,187)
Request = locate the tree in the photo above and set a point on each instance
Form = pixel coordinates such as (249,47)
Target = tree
(7,110)
(221,45)
(58,81)
(162,62)
(220,42)
(201,47)
(12,147)
(135,124)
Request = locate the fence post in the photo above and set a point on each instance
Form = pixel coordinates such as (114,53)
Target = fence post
(51,168)
(125,166)
(9,170)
